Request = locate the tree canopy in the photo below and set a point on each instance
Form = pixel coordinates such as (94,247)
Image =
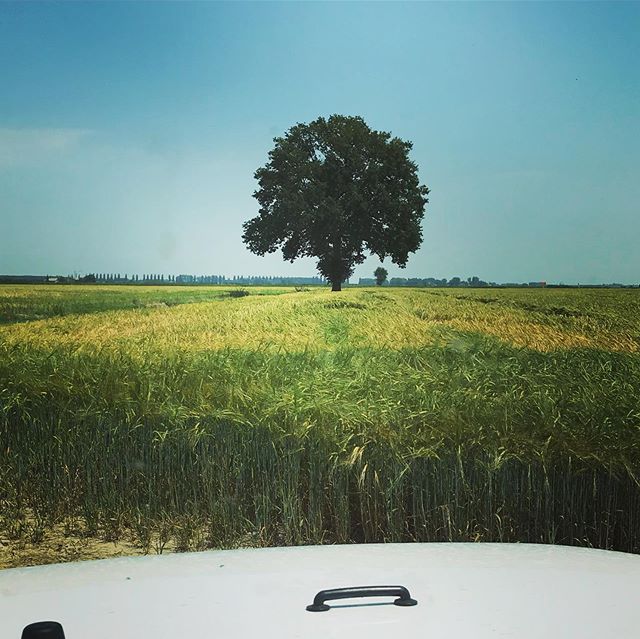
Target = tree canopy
(334,189)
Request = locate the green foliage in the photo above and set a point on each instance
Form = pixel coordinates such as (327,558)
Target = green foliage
(32,302)
(334,189)
(381,275)
(240,292)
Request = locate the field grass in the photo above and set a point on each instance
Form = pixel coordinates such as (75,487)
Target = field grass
(25,303)
(315,417)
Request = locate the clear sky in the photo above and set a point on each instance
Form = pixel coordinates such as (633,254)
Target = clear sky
(130,132)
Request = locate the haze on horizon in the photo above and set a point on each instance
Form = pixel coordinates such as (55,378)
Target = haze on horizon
(130,132)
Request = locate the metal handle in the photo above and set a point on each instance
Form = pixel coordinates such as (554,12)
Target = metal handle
(402,594)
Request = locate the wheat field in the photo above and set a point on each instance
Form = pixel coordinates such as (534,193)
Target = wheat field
(196,417)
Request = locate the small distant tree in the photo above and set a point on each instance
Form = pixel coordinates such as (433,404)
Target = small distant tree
(381,275)
(475,281)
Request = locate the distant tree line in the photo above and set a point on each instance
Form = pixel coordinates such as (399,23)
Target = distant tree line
(476,282)
(161,279)
(423,281)
(455,282)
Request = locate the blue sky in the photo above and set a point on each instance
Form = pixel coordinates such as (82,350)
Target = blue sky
(130,132)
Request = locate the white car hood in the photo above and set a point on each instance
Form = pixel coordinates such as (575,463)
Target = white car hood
(477,591)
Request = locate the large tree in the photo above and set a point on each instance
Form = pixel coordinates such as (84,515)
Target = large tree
(333,189)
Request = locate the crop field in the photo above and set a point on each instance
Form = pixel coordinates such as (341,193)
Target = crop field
(195,417)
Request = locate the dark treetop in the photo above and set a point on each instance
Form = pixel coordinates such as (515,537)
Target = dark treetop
(333,189)
(381,275)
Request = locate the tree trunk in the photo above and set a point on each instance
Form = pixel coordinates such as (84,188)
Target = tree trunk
(336,279)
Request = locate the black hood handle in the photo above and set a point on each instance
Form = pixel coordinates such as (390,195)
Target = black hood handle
(402,594)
